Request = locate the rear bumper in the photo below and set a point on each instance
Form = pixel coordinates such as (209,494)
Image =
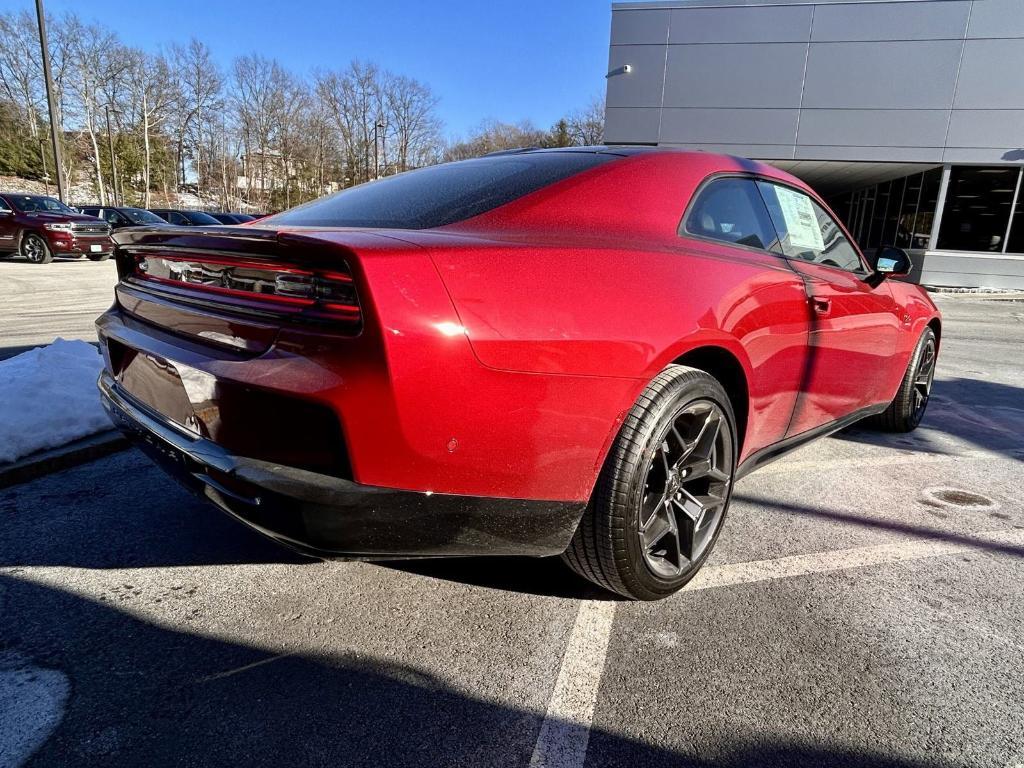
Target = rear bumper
(325,516)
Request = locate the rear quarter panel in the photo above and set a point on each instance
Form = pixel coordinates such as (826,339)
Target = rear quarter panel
(625,310)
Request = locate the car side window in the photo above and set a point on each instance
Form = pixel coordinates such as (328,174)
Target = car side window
(114,217)
(730,209)
(806,231)
(177,218)
(3,205)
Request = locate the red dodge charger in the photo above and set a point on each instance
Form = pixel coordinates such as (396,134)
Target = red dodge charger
(569,352)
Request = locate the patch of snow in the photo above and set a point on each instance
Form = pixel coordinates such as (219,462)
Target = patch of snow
(48,398)
(32,703)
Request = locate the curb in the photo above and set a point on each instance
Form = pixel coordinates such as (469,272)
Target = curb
(987,295)
(55,459)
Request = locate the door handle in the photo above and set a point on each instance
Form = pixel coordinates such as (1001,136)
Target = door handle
(821,306)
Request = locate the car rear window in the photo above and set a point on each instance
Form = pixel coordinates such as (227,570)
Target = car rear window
(441,194)
(199,218)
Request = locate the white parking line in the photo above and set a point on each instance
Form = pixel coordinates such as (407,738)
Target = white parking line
(843,559)
(565,732)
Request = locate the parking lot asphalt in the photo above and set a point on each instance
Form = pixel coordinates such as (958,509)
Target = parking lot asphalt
(43,301)
(864,607)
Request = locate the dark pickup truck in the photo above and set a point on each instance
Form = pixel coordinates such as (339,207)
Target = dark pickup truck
(40,227)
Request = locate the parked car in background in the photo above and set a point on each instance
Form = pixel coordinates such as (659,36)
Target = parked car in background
(543,352)
(40,227)
(233,218)
(186,218)
(123,216)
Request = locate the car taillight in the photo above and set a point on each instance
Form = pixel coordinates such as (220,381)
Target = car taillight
(253,285)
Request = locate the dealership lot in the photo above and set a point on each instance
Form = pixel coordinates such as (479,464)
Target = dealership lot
(43,301)
(864,606)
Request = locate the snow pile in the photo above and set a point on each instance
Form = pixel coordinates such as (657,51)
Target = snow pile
(48,398)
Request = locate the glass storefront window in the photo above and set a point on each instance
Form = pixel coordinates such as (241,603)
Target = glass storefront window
(977,208)
(921,226)
(1016,241)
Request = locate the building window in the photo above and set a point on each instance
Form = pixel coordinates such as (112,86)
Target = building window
(1016,242)
(977,210)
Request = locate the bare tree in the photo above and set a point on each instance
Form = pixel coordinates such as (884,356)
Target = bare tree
(98,60)
(586,126)
(258,105)
(411,108)
(494,136)
(199,96)
(150,104)
(21,77)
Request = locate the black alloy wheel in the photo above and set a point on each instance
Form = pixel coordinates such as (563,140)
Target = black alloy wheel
(664,491)
(906,410)
(34,248)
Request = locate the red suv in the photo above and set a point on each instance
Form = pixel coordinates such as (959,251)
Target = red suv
(571,352)
(40,228)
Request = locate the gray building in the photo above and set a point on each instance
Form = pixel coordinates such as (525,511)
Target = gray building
(908,116)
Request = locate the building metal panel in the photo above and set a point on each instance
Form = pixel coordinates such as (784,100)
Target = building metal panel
(755,75)
(997,18)
(640,27)
(991,75)
(747,24)
(631,125)
(882,75)
(983,156)
(870,154)
(891,21)
(873,127)
(728,126)
(761,151)
(642,85)
(992,128)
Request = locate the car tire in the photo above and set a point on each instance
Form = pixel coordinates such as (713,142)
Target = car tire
(664,489)
(35,249)
(97,256)
(907,408)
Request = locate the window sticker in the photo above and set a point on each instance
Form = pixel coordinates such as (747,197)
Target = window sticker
(801,223)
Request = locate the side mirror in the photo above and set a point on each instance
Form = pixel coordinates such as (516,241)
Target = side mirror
(891,261)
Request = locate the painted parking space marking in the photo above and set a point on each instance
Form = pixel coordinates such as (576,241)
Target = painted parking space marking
(565,732)
(732,574)
(562,742)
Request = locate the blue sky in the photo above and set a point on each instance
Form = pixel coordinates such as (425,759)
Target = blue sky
(535,59)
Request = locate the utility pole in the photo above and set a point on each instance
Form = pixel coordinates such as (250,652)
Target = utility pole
(113,162)
(42,154)
(41,15)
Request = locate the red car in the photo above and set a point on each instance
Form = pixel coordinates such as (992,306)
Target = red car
(572,352)
(40,227)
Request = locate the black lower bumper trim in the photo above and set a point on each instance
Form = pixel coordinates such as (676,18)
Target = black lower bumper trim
(329,517)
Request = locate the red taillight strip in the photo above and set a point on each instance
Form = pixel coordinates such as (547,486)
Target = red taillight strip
(244,264)
(297,301)
(293,305)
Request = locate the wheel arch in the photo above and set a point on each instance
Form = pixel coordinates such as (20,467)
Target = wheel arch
(728,370)
(936,325)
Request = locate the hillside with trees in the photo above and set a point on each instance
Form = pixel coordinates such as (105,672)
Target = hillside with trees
(249,136)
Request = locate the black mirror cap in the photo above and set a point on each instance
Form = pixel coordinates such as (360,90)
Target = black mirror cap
(891,261)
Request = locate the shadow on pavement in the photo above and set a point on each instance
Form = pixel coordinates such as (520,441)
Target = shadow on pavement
(918,531)
(984,414)
(122,512)
(547,577)
(146,695)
